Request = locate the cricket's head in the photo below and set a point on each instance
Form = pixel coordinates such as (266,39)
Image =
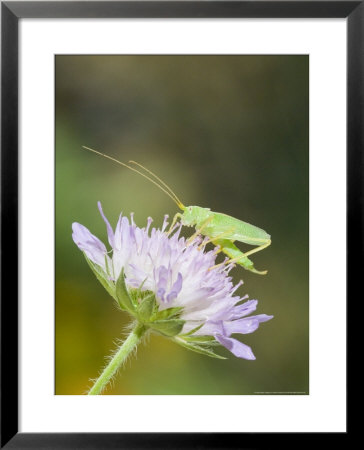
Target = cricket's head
(193,215)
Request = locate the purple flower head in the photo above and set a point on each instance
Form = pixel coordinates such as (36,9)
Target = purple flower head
(181,275)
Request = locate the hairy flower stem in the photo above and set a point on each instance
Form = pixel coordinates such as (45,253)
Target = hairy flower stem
(126,347)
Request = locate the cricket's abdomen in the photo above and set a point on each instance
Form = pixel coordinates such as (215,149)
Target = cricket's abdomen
(235,230)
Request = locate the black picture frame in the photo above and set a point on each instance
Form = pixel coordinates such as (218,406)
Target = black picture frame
(11,12)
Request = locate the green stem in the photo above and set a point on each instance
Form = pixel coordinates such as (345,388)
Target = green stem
(126,347)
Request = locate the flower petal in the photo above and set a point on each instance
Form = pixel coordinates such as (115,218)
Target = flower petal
(211,328)
(176,288)
(262,317)
(245,325)
(88,243)
(236,347)
(244,309)
(110,233)
(161,281)
(242,326)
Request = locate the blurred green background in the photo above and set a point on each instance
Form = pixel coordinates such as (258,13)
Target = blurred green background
(226,132)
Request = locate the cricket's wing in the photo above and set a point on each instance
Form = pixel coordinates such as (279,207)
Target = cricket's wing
(236,230)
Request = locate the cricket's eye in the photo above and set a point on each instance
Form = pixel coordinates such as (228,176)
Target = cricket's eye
(190,209)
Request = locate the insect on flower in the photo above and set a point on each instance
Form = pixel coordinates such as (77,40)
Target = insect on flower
(167,286)
(221,229)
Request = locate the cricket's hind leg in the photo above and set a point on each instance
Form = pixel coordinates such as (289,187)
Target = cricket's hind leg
(237,256)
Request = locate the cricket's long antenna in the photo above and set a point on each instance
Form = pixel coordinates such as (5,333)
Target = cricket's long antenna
(157,178)
(178,203)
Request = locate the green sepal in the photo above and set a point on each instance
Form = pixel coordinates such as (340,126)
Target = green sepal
(102,277)
(201,340)
(198,348)
(170,327)
(122,294)
(146,308)
(137,296)
(168,313)
(192,331)
(107,267)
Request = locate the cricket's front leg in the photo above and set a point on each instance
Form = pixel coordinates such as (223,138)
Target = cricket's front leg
(237,256)
(175,218)
(199,230)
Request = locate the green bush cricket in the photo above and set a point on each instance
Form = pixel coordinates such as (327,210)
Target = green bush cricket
(221,229)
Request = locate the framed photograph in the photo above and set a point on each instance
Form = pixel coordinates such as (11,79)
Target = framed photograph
(181,188)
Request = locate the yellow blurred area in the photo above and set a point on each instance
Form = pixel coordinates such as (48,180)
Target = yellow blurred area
(225,132)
